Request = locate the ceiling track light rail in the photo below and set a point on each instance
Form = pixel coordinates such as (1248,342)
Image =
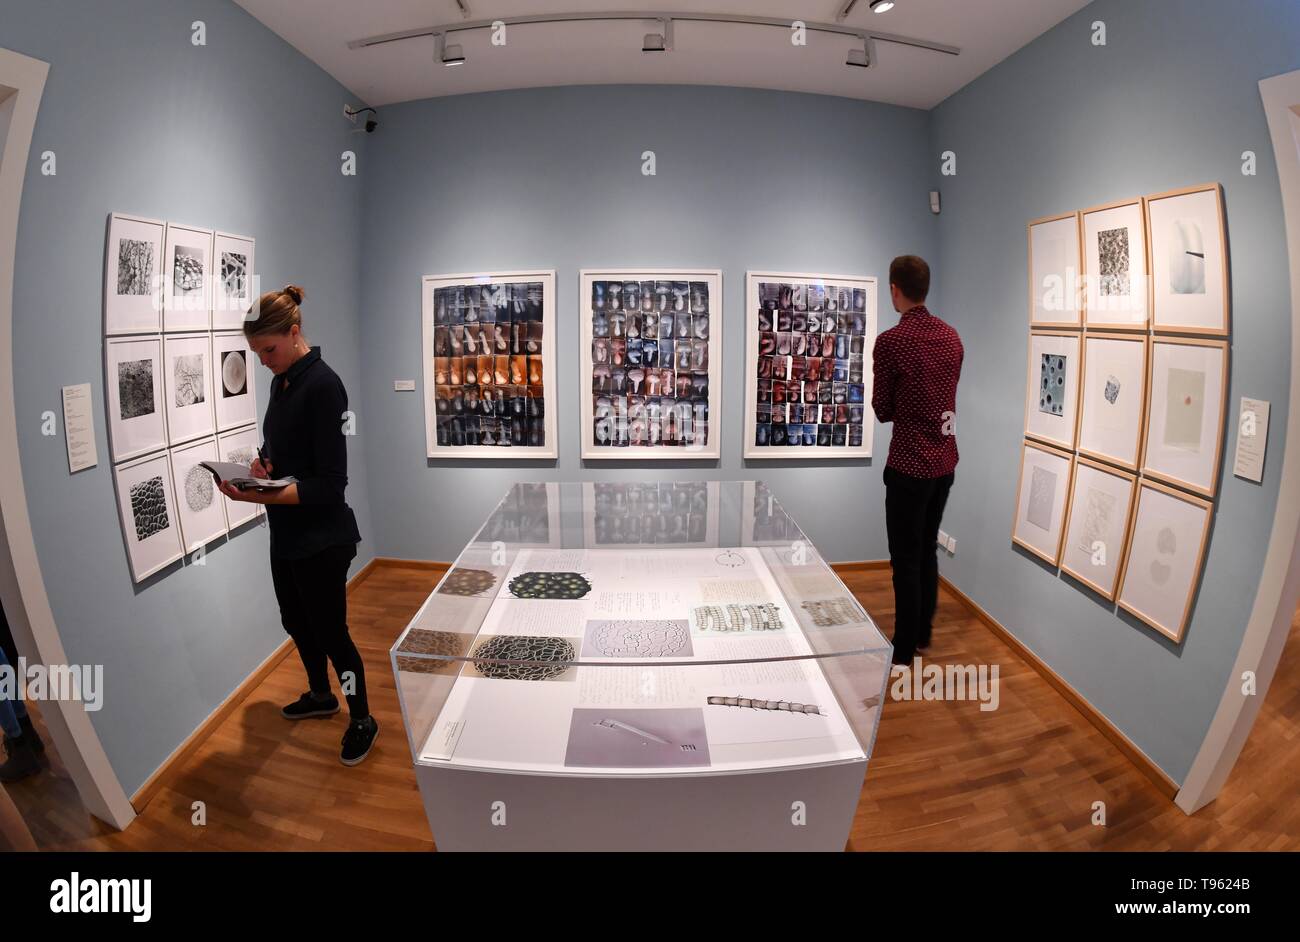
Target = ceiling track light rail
(867,36)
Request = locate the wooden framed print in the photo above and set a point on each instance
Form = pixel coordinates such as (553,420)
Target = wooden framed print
(234,385)
(1189,261)
(133,280)
(1055,275)
(651,369)
(1113,401)
(239,446)
(187,278)
(1101,500)
(133,381)
(1115,266)
(235,286)
(808,369)
(198,502)
(148,512)
(1042,493)
(489,365)
(187,386)
(1166,551)
(1188,380)
(1052,388)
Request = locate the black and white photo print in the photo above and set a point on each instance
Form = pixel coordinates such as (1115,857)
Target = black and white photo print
(235,287)
(147,513)
(135,266)
(133,274)
(149,508)
(189,289)
(135,389)
(1113,250)
(187,379)
(234,373)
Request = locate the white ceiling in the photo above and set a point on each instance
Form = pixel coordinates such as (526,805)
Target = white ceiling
(986,31)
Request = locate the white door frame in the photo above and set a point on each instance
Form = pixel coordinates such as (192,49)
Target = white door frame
(1279,584)
(22,587)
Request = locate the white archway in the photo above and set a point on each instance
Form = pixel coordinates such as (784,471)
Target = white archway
(22,587)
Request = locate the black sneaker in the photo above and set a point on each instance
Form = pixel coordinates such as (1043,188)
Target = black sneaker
(358,740)
(307,705)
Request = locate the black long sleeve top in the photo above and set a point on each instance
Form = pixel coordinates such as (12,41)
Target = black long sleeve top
(303,432)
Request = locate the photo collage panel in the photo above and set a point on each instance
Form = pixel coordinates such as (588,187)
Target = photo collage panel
(487,358)
(650,363)
(811,348)
(649,513)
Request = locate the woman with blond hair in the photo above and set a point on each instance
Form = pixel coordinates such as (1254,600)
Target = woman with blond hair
(314,533)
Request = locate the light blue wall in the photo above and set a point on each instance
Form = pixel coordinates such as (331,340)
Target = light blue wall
(1172,100)
(243,134)
(551,178)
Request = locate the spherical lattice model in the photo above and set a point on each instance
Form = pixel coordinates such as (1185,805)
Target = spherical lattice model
(549,585)
(528,652)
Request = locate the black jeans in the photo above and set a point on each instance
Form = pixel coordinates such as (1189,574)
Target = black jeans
(913,511)
(313,597)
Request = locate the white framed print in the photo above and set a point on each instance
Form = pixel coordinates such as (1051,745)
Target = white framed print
(239,446)
(808,368)
(187,386)
(133,382)
(133,274)
(1096,526)
(1188,380)
(651,367)
(1189,261)
(489,365)
(234,383)
(234,285)
(1042,493)
(1115,266)
(148,513)
(187,278)
(1113,400)
(1162,568)
(1054,272)
(198,502)
(1052,387)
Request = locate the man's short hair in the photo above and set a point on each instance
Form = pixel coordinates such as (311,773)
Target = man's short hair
(912,275)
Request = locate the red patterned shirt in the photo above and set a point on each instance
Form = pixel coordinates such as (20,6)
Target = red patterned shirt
(917,365)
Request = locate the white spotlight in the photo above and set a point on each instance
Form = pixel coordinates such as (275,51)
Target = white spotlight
(882,6)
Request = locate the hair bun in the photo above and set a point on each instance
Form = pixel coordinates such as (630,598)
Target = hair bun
(295,293)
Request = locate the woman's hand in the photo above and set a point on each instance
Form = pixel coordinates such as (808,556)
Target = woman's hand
(284,495)
(260,469)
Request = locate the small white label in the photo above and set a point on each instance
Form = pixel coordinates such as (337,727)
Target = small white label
(1252,439)
(403,385)
(79,427)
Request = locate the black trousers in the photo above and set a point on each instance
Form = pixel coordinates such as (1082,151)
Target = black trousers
(913,512)
(313,597)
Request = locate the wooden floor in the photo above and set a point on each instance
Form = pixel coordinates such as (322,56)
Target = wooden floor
(943,776)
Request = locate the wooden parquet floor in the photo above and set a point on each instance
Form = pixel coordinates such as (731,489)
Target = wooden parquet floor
(943,776)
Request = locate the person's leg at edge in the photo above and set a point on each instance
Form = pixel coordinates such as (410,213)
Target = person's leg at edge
(322,582)
(904,521)
(930,557)
(294,617)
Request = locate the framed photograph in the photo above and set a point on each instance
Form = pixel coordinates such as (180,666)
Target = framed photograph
(234,287)
(148,513)
(1115,266)
(1055,272)
(1041,498)
(233,380)
(1166,550)
(133,382)
(489,365)
(187,278)
(1113,402)
(1052,389)
(651,367)
(1188,380)
(663,515)
(1101,500)
(808,367)
(239,446)
(133,279)
(198,502)
(187,386)
(1189,261)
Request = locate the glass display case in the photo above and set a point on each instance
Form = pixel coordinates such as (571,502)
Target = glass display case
(640,666)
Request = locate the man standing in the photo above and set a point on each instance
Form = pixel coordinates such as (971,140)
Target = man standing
(917,365)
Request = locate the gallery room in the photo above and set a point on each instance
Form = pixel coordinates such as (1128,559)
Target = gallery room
(447,424)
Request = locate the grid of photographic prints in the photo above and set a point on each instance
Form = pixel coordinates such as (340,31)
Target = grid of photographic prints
(650,350)
(809,341)
(649,513)
(162,385)
(487,365)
